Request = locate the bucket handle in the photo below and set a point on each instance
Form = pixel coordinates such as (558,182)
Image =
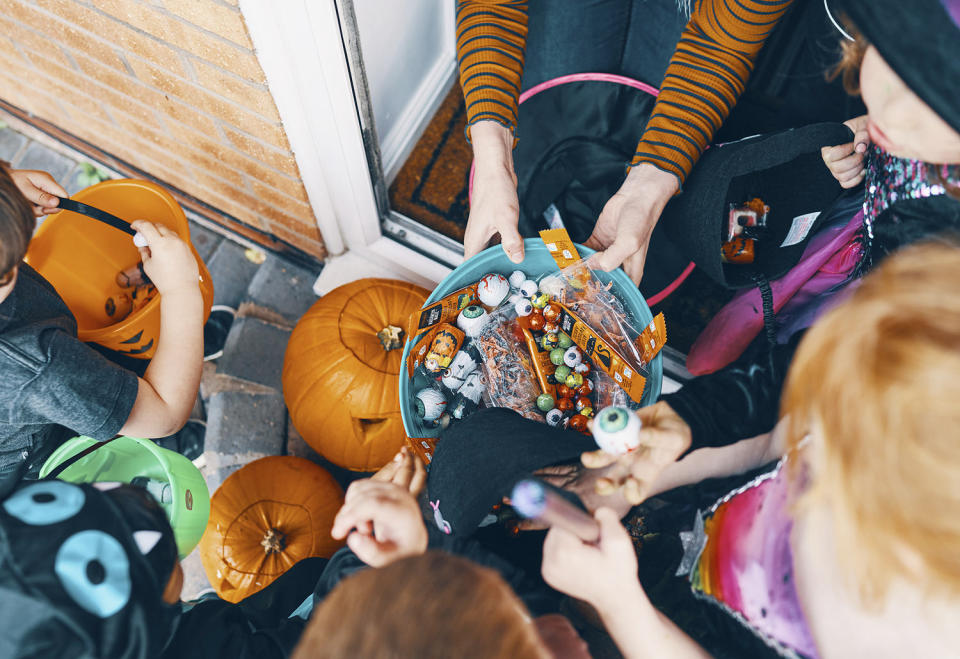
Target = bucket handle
(96,213)
(66,464)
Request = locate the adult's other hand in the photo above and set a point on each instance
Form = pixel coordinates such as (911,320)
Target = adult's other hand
(623,230)
(494,208)
(39,188)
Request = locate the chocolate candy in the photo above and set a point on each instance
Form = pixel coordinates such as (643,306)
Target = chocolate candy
(565,340)
(561,373)
(556,356)
(578,422)
(583,368)
(572,357)
(573,380)
(582,402)
(551,312)
(585,389)
(536,322)
(540,300)
(563,391)
(565,405)
(549,341)
(545,402)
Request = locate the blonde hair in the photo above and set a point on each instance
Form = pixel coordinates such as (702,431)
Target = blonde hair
(878,379)
(434,605)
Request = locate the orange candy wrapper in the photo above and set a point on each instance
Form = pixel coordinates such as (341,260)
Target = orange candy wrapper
(540,360)
(442,311)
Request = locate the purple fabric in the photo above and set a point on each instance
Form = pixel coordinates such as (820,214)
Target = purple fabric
(827,262)
(953,8)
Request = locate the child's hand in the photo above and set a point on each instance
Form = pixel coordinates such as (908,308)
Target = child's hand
(381,522)
(598,574)
(39,188)
(845,161)
(405,470)
(167,260)
(664,436)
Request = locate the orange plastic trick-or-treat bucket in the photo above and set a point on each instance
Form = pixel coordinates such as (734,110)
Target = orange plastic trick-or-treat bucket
(81,257)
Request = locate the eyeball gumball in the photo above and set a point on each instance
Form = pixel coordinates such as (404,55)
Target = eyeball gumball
(578,422)
(556,356)
(549,340)
(617,430)
(561,372)
(583,368)
(472,320)
(430,404)
(545,402)
(528,288)
(565,340)
(551,327)
(536,322)
(552,286)
(523,307)
(574,380)
(554,417)
(540,300)
(572,357)
(493,289)
(516,279)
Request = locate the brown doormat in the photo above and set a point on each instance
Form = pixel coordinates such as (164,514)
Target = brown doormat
(431,188)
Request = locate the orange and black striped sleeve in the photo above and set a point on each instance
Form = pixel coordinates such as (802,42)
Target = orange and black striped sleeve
(707,74)
(491,37)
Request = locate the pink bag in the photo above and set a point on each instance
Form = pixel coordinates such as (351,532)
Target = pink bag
(827,261)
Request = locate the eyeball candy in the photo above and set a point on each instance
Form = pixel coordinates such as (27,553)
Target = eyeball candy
(573,380)
(556,356)
(516,279)
(528,288)
(561,373)
(572,357)
(583,368)
(430,404)
(540,300)
(552,286)
(472,320)
(523,307)
(549,341)
(493,289)
(554,417)
(565,340)
(617,430)
(545,402)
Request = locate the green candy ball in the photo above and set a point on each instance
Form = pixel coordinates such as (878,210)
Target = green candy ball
(565,341)
(545,402)
(556,356)
(562,372)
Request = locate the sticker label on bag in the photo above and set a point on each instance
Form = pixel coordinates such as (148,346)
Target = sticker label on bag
(799,229)
(560,246)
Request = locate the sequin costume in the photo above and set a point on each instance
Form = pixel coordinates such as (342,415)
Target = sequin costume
(738,557)
(890,179)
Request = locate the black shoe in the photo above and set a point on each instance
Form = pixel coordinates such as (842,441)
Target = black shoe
(188,441)
(216,330)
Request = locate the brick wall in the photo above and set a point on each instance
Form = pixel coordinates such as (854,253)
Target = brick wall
(171,86)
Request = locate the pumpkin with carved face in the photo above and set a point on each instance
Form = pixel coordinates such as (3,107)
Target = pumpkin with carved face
(341,380)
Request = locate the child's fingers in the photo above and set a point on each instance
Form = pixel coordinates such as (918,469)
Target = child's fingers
(146,229)
(419,477)
(145,253)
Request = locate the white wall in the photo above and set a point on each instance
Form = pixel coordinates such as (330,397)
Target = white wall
(409,54)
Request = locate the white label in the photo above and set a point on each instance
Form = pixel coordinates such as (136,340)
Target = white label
(551,247)
(800,228)
(552,216)
(567,255)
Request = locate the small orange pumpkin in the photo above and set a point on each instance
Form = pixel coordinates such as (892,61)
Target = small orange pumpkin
(341,372)
(265,517)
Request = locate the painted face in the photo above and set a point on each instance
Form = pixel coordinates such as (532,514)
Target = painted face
(899,121)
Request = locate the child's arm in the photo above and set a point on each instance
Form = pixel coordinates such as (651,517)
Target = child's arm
(605,576)
(168,389)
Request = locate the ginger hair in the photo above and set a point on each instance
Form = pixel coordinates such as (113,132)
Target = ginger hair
(434,605)
(877,383)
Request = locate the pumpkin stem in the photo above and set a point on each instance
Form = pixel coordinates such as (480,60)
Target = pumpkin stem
(390,337)
(274,541)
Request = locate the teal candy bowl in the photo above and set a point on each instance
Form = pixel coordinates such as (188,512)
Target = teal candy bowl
(537,262)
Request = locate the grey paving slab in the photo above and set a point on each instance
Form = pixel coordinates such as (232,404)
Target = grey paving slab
(38,156)
(10,144)
(80,177)
(283,287)
(231,272)
(254,351)
(204,241)
(242,423)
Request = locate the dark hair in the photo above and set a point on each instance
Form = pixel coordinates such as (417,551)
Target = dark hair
(16,223)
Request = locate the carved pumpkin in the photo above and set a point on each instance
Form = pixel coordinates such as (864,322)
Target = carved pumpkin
(265,517)
(341,380)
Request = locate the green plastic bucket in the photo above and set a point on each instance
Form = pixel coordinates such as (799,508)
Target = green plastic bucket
(172,479)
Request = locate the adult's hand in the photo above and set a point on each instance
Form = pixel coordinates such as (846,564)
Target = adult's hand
(664,436)
(845,161)
(622,233)
(494,208)
(381,522)
(39,188)
(404,470)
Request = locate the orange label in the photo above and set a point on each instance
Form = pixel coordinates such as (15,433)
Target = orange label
(440,312)
(423,447)
(418,349)
(542,365)
(652,338)
(604,356)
